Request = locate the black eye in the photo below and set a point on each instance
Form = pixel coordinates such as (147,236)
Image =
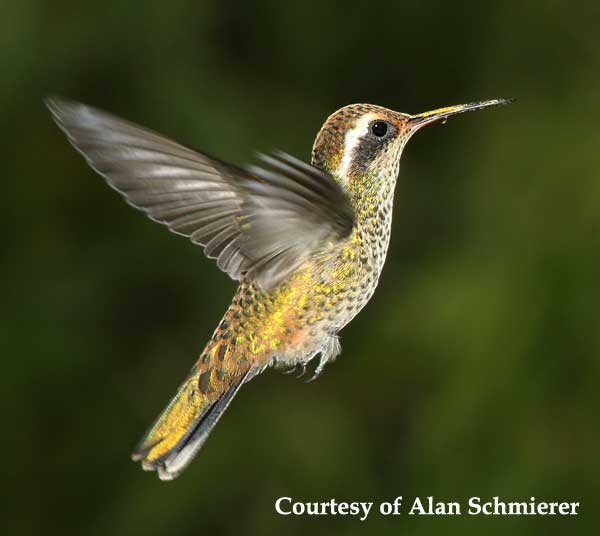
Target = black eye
(379,128)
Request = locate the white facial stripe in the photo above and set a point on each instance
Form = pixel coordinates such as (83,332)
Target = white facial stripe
(351,141)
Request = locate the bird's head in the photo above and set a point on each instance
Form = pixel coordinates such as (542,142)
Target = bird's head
(363,140)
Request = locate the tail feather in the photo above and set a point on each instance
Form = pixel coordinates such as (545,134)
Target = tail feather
(183,427)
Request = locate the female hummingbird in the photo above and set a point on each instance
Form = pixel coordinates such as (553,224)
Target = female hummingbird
(306,242)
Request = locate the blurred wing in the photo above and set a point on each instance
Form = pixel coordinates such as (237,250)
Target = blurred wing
(261,224)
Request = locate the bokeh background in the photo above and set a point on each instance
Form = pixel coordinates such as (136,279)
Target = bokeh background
(474,369)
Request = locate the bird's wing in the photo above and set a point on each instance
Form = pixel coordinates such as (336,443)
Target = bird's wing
(261,223)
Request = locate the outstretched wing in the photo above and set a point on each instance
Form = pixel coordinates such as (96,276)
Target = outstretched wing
(261,223)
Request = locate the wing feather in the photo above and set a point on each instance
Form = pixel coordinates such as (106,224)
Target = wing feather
(260,223)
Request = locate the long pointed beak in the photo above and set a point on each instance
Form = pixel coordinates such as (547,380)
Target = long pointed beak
(419,121)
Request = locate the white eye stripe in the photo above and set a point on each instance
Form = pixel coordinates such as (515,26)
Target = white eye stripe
(351,141)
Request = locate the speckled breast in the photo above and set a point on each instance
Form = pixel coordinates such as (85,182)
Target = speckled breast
(288,325)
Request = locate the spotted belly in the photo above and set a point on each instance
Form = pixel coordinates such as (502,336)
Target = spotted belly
(297,321)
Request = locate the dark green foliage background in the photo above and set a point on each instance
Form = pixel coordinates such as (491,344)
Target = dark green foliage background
(474,369)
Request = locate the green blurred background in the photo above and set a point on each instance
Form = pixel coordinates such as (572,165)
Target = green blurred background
(474,369)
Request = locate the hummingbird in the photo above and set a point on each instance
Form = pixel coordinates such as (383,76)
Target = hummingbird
(306,242)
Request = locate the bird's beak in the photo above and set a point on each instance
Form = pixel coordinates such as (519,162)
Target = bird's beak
(416,122)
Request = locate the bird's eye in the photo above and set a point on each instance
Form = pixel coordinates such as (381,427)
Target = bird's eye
(379,128)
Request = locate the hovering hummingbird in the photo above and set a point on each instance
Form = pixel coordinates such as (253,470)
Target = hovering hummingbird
(306,242)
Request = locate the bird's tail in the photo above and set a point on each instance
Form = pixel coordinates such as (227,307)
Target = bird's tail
(182,428)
